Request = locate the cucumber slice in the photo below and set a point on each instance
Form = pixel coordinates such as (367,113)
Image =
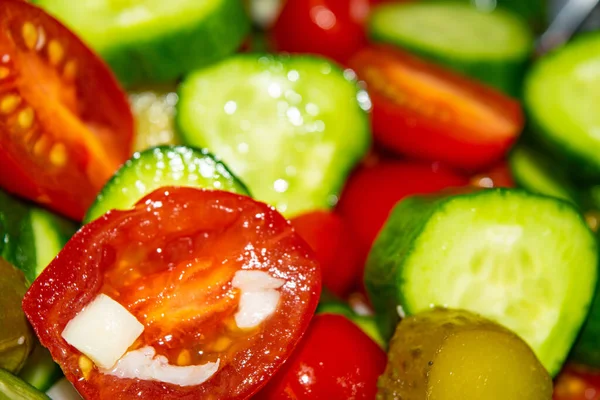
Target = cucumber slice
(523,260)
(490,46)
(561,95)
(40,371)
(154,113)
(31,236)
(13,388)
(291,127)
(148,41)
(162,166)
(534,171)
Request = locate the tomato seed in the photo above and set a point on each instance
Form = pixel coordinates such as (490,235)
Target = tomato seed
(41,145)
(70,71)
(85,365)
(184,358)
(4,72)
(30,35)
(25,118)
(9,103)
(58,155)
(55,52)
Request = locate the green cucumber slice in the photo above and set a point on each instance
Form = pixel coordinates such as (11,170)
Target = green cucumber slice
(534,171)
(154,112)
(149,41)
(31,236)
(13,388)
(291,127)
(523,260)
(562,92)
(163,166)
(490,46)
(40,371)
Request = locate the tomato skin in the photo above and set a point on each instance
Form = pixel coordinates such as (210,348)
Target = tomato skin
(69,126)
(229,230)
(577,383)
(424,111)
(332,28)
(497,176)
(334,360)
(372,191)
(335,247)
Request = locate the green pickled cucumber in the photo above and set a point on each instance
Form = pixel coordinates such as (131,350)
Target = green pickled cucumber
(453,354)
(16,340)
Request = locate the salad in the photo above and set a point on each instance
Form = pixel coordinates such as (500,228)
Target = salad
(306,199)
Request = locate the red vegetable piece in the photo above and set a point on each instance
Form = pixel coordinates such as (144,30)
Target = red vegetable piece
(335,360)
(170,261)
(425,111)
(577,383)
(65,124)
(335,246)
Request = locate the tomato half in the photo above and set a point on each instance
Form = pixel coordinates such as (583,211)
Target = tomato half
(577,383)
(332,28)
(65,124)
(372,191)
(425,111)
(335,360)
(335,246)
(170,262)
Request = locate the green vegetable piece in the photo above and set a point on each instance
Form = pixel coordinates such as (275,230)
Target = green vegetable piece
(453,354)
(13,388)
(163,166)
(149,41)
(16,339)
(561,96)
(535,171)
(154,113)
(493,47)
(291,127)
(40,371)
(524,260)
(31,236)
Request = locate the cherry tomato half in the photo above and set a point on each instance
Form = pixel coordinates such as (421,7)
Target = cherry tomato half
(335,246)
(65,125)
(372,191)
(170,262)
(577,383)
(332,28)
(334,360)
(425,111)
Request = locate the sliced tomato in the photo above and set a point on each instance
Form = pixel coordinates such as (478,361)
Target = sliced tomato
(332,28)
(335,360)
(372,191)
(577,383)
(65,124)
(425,111)
(170,262)
(335,246)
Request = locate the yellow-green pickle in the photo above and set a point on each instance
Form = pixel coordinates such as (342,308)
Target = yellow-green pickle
(15,335)
(456,355)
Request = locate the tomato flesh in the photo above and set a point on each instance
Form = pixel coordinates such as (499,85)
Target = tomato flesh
(65,124)
(424,111)
(335,360)
(577,383)
(170,261)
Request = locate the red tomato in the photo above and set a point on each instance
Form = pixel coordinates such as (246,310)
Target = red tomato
(577,383)
(425,111)
(170,261)
(497,176)
(65,125)
(332,28)
(334,360)
(371,192)
(335,247)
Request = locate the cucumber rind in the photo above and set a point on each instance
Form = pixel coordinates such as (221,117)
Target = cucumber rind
(390,275)
(182,165)
(502,70)
(347,143)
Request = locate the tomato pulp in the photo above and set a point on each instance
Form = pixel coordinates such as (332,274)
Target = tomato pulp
(425,111)
(65,124)
(170,262)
